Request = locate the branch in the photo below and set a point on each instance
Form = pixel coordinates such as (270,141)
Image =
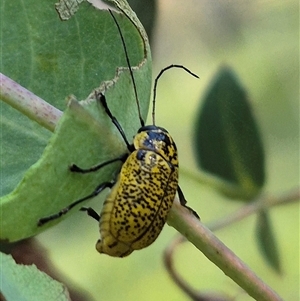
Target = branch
(262,202)
(204,240)
(169,263)
(28,103)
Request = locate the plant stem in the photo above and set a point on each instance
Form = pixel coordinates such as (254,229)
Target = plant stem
(262,202)
(28,103)
(189,226)
(176,277)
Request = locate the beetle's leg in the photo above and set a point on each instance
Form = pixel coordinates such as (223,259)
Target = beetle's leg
(91,212)
(183,202)
(65,210)
(75,168)
(100,97)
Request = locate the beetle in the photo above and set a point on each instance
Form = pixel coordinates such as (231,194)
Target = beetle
(136,209)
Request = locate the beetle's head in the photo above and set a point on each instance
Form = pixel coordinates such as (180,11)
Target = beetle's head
(157,139)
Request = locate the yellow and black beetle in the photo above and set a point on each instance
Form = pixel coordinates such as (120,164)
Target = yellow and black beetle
(142,195)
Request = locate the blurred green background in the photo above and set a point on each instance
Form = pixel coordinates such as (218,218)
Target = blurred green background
(260,41)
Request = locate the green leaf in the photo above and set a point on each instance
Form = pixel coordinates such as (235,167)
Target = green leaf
(54,59)
(27,283)
(267,242)
(227,141)
(85,135)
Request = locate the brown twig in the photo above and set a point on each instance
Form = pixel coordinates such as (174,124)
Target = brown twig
(181,283)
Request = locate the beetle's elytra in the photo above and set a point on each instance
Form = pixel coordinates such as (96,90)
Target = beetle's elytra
(135,212)
(142,195)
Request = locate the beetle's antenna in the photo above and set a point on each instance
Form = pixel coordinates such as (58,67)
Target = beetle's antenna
(129,67)
(156,81)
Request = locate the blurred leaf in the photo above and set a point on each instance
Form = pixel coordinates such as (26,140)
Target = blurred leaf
(267,242)
(85,135)
(27,283)
(227,141)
